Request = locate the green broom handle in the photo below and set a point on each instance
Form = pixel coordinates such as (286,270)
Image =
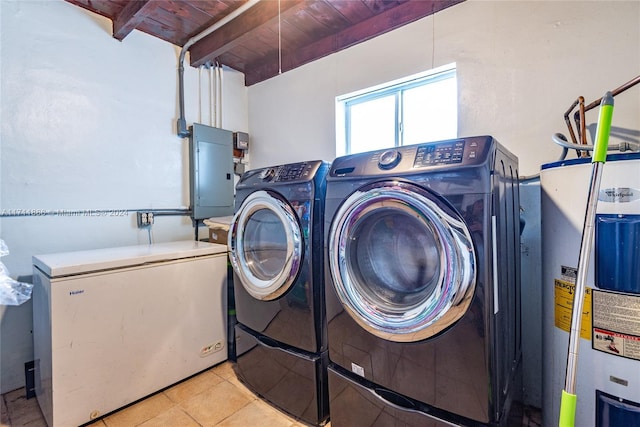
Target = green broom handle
(604,129)
(569,397)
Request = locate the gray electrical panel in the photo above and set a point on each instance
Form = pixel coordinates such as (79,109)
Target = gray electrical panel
(210,172)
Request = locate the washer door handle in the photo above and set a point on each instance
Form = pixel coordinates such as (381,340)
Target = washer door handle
(404,404)
(268,342)
(395,399)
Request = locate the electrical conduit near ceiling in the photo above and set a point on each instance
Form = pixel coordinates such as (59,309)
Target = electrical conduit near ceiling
(214,92)
(183,132)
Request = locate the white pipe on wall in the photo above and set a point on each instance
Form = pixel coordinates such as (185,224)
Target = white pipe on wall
(215,96)
(200,94)
(182,125)
(220,93)
(212,104)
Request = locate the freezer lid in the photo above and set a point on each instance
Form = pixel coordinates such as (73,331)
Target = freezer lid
(79,262)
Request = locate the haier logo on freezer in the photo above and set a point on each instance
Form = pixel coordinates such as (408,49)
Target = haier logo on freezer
(78,292)
(619,195)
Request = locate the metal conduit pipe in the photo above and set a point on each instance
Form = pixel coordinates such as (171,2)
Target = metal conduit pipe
(183,132)
(561,140)
(220,81)
(212,103)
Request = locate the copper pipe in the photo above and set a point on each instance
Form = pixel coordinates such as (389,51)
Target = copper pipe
(614,92)
(583,129)
(579,116)
(568,121)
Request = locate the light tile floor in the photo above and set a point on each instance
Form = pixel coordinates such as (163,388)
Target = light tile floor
(213,398)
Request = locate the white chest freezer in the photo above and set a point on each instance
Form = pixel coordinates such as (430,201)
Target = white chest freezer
(114,325)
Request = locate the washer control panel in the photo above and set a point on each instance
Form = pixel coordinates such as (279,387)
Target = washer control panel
(436,155)
(439,154)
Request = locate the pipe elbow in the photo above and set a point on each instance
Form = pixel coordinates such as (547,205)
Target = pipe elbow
(629,146)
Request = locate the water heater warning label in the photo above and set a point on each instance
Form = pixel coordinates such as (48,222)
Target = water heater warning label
(616,323)
(563,299)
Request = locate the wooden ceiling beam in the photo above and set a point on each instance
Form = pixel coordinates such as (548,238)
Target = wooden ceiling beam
(379,24)
(239,29)
(130,17)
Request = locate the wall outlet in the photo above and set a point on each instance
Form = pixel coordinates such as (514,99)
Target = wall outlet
(145,219)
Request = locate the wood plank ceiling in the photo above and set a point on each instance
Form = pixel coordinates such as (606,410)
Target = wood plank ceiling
(270,37)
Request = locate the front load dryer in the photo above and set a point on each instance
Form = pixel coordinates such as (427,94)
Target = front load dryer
(423,286)
(275,241)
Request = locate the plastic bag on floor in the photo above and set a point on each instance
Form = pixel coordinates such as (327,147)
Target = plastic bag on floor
(12,292)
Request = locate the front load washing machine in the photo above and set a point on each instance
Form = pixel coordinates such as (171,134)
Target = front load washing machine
(423,286)
(275,241)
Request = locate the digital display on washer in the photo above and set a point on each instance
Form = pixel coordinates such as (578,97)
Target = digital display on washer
(439,154)
(292,172)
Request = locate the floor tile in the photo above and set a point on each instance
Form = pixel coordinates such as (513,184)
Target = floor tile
(242,388)
(22,411)
(173,417)
(4,416)
(215,404)
(139,412)
(189,388)
(214,398)
(257,413)
(532,417)
(224,370)
(40,422)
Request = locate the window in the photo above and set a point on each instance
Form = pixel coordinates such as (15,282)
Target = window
(419,108)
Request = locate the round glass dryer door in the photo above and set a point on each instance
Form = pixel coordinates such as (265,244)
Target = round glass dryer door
(402,261)
(265,245)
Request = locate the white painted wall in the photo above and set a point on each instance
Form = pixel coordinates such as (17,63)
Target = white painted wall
(88,123)
(520,66)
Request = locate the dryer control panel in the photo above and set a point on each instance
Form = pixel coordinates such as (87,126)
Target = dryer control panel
(292,172)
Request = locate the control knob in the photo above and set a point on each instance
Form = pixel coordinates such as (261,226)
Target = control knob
(389,159)
(267,174)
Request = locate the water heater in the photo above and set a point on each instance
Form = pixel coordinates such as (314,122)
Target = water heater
(608,375)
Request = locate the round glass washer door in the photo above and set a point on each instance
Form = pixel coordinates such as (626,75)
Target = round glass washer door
(265,244)
(402,261)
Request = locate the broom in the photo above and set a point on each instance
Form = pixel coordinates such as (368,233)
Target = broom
(569,398)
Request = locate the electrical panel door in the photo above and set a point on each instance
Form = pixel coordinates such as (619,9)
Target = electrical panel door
(211,172)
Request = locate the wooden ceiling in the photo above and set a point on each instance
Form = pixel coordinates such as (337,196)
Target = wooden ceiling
(270,37)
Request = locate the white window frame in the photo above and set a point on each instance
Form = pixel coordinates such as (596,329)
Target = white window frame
(397,88)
